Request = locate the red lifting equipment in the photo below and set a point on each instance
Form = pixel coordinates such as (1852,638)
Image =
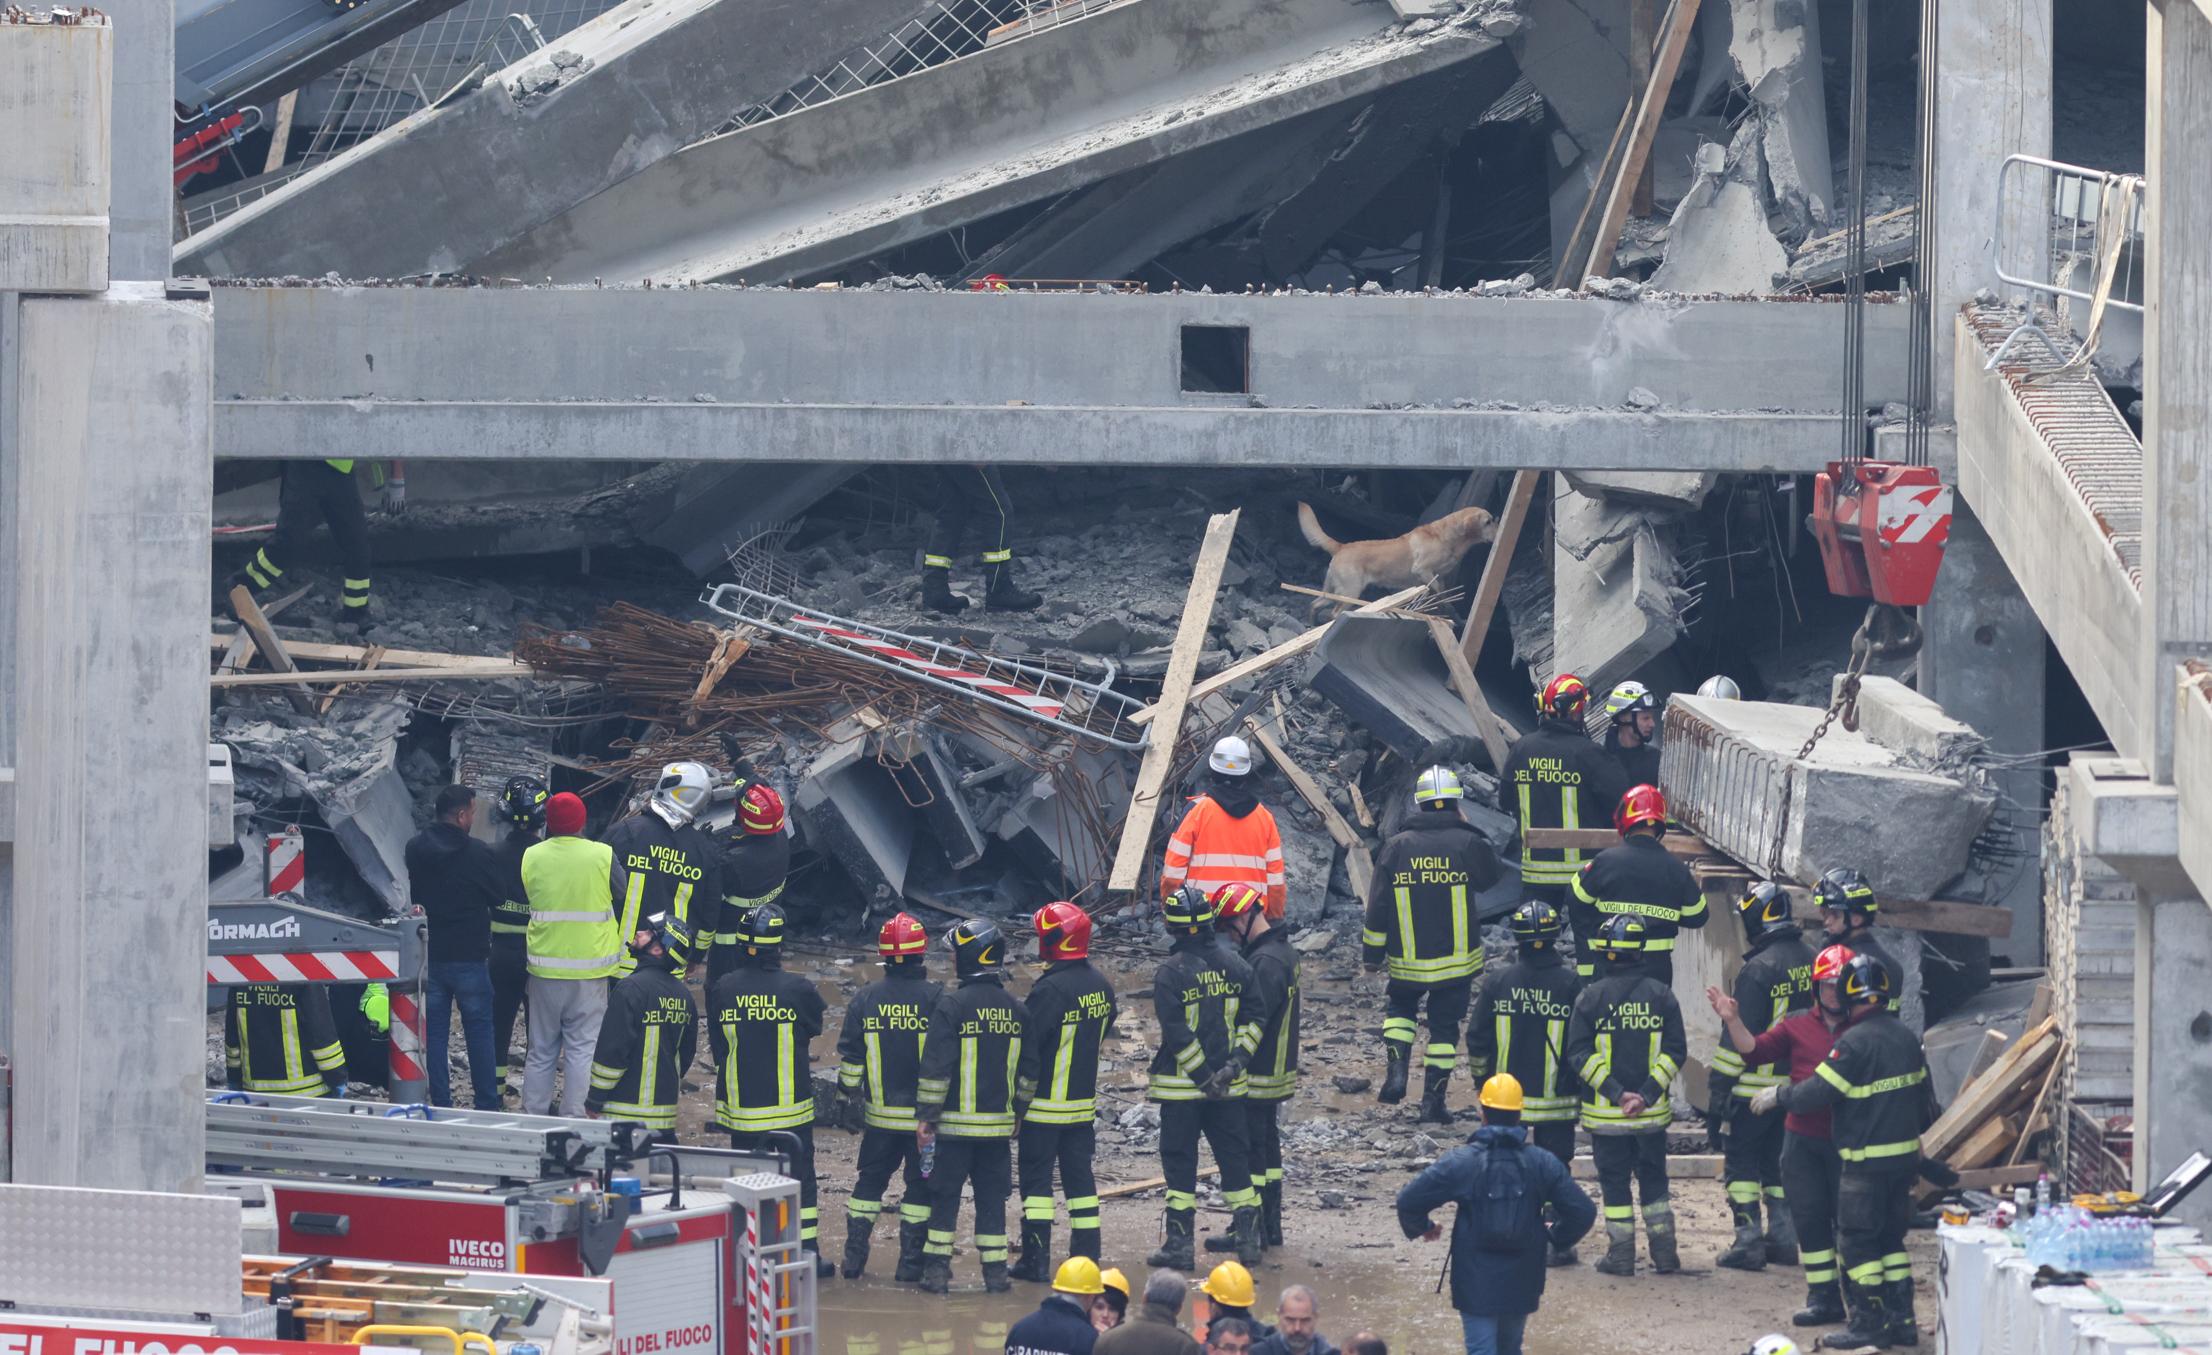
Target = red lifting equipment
(1882,528)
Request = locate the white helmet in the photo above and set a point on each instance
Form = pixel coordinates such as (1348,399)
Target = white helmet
(1720,686)
(682,792)
(1629,697)
(1231,756)
(1776,1344)
(1436,785)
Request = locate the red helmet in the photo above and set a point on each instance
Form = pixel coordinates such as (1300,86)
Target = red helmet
(1233,901)
(1829,963)
(760,810)
(901,938)
(1642,805)
(1063,932)
(1564,695)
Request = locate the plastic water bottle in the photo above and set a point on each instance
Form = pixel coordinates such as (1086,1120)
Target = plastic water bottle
(2043,1197)
(929,1156)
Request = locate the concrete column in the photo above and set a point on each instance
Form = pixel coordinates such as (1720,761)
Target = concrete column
(142,123)
(1992,91)
(1982,661)
(2173,1040)
(109,463)
(2177,365)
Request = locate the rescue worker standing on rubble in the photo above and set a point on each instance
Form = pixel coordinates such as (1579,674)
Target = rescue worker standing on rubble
(674,867)
(1639,878)
(1199,997)
(1556,778)
(1776,981)
(1876,1082)
(1272,1077)
(967,1105)
(279,1040)
(879,1064)
(522,805)
(756,859)
(1227,837)
(650,1035)
(1632,733)
(573,948)
(973,497)
(1519,1028)
(1625,1042)
(1421,920)
(324,490)
(1847,912)
(1071,1011)
(761,1023)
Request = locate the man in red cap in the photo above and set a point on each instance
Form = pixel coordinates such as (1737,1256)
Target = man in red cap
(572,947)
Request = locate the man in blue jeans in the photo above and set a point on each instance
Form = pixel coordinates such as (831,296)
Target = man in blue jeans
(457,883)
(1500,1238)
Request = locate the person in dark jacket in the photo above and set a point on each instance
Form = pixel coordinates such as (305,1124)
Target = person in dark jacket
(1273,1075)
(279,1040)
(1557,778)
(1632,732)
(756,858)
(1500,1236)
(1152,1329)
(650,1034)
(1625,1043)
(1071,1012)
(968,1103)
(879,1066)
(1638,878)
(674,867)
(1197,1077)
(1062,1323)
(1297,1326)
(456,882)
(1775,981)
(1520,1027)
(522,806)
(1847,911)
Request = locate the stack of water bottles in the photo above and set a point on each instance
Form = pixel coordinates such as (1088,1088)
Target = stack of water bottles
(2066,1237)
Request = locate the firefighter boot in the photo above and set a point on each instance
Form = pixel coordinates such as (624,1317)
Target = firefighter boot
(1244,1225)
(936,1274)
(1035,1262)
(1005,595)
(1620,1248)
(1749,1251)
(995,1278)
(1223,1241)
(1781,1239)
(858,1234)
(1175,1251)
(1823,1305)
(911,1237)
(1083,1242)
(1397,1067)
(823,1266)
(1869,1321)
(1271,1213)
(1659,1236)
(937,594)
(1433,1085)
(1904,1328)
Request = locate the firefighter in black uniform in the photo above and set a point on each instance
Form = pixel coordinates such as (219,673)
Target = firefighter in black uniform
(1876,1079)
(879,1064)
(762,1021)
(1557,778)
(1847,912)
(1421,918)
(1639,878)
(649,1035)
(1071,1010)
(973,496)
(279,1040)
(1519,1027)
(673,867)
(522,805)
(1198,1076)
(1632,732)
(1626,1043)
(1272,1077)
(966,1104)
(1776,980)
(755,860)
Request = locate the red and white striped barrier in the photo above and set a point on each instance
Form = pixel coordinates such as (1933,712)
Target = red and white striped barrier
(284,865)
(406,1039)
(307,966)
(906,658)
(760,1305)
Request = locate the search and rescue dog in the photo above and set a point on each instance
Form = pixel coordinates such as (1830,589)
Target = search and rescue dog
(1430,550)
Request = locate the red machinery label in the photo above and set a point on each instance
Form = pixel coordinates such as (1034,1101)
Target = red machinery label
(20,1336)
(469,1234)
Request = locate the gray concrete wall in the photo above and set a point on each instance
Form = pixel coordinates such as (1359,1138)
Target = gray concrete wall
(2193,776)
(1019,122)
(450,185)
(2173,1043)
(54,95)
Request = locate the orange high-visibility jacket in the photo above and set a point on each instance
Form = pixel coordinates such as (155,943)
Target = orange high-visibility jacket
(1213,847)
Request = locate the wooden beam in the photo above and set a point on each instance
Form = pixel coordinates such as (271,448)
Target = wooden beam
(1359,866)
(1681,19)
(1508,535)
(1175,696)
(1288,649)
(369,662)
(2035,1113)
(250,616)
(727,651)
(1127,1188)
(1360,810)
(491,671)
(1470,691)
(1950,916)
(1993,1178)
(318,652)
(281,135)
(1987,1094)
(238,649)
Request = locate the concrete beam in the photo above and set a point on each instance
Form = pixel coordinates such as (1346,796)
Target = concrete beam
(2193,776)
(54,96)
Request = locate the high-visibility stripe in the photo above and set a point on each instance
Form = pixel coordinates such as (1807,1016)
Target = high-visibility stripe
(596,963)
(295,1064)
(997,557)
(572,915)
(1727,1062)
(785,1091)
(1879,1150)
(649,1070)
(872,1042)
(1229,859)
(651,1116)
(936,562)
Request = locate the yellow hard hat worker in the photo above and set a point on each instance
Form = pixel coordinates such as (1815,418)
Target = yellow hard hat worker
(1113,1279)
(1230,1285)
(1079,1275)
(1502,1092)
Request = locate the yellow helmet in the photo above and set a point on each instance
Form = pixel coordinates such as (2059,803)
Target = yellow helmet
(1502,1092)
(1112,1278)
(1230,1284)
(1079,1275)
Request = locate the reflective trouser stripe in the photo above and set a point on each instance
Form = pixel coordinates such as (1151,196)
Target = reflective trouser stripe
(936,562)
(810,1222)
(262,570)
(1037,1208)
(1820,1266)
(1400,1029)
(909,1212)
(1866,1272)
(1774,1192)
(1181,1201)
(997,557)
(1083,1211)
(1743,1192)
(867,1211)
(990,1247)
(939,1243)
(1442,1056)
(1617,1212)
(1896,1266)
(357,593)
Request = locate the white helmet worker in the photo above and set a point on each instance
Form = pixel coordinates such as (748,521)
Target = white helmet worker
(1437,785)
(681,792)
(1775,1344)
(1721,686)
(1231,756)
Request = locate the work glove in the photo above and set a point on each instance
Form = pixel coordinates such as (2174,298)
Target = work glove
(1767,1099)
(395,495)
(1224,1078)
(376,1007)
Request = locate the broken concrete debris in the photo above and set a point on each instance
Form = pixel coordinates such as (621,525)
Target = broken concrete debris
(1617,600)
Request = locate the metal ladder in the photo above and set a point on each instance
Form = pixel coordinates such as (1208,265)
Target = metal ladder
(308,1134)
(1088,710)
(779,1275)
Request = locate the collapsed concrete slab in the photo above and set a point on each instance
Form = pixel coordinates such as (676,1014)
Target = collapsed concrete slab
(1718,240)
(931,784)
(1776,47)
(713,510)
(1731,771)
(1901,719)
(852,811)
(1385,673)
(347,766)
(1616,602)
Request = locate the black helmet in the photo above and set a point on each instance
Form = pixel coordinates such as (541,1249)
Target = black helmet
(1845,891)
(1865,981)
(522,802)
(977,948)
(1621,938)
(1187,910)
(1535,925)
(1763,907)
(672,934)
(760,929)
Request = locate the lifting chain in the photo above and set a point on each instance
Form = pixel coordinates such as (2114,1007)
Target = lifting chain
(1886,632)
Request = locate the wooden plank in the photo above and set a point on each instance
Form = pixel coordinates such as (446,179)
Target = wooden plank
(369,662)
(318,652)
(1494,569)
(2035,1112)
(238,650)
(1985,1054)
(727,651)
(492,671)
(1988,1093)
(1359,866)
(1360,810)
(281,135)
(1949,916)
(1681,19)
(250,616)
(1643,34)
(1986,1144)
(1175,697)
(1288,649)
(1470,692)
(1997,1178)
(2039,1005)
(1128,1188)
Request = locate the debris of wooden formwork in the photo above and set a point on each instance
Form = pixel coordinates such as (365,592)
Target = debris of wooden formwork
(1989,1132)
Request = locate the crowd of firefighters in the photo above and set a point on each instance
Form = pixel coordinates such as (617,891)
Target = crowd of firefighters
(1817,1101)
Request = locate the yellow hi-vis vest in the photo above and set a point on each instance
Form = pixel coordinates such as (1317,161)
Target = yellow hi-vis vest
(572,934)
